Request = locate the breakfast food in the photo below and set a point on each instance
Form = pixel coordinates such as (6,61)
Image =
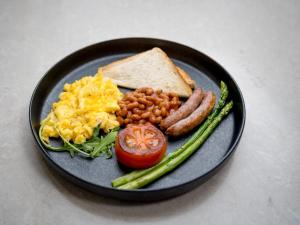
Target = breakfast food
(186,109)
(88,115)
(186,77)
(82,106)
(152,68)
(140,146)
(146,105)
(185,125)
(140,178)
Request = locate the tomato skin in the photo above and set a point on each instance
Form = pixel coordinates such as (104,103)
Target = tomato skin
(136,158)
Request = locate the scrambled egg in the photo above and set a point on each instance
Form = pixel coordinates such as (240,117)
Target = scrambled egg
(82,106)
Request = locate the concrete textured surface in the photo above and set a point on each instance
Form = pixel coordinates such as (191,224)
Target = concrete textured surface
(256,41)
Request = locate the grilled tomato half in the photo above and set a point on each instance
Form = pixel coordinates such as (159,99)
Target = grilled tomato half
(140,146)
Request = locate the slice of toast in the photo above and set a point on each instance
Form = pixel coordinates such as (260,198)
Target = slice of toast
(152,68)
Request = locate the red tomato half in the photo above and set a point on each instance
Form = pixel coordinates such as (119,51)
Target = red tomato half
(140,146)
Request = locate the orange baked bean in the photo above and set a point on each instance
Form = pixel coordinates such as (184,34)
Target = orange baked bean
(132,105)
(152,119)
(120,120)
(173,104)
(129,113)
(158,100)
(175,99)
(149,91)
(164,112)
(158,91)
(132,98)
(158,119)
(157,112)
(123,112)
(140,95)
(142,101)
(142,121)
(142,90)
(137,111)
(151,98)
(141,106)
(163,96)
(135,117)
(149,103)
(146,115)
(127,121)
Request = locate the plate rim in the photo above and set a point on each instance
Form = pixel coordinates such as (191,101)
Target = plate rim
(65,172)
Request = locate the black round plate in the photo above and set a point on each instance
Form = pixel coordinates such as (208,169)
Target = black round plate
(96,174)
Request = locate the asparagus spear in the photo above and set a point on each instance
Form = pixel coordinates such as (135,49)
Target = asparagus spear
(173,163)
(138,173)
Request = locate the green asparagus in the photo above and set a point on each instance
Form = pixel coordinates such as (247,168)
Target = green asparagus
(138,173)
(176,161)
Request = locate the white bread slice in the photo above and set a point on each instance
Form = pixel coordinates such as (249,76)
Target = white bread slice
(152,68)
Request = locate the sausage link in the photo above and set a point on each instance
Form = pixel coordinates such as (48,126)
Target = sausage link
(186,109)
(193,120)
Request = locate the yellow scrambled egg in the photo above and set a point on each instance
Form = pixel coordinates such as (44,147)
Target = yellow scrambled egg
(82,106)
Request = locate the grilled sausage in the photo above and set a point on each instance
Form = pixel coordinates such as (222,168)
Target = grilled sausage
(186,109)
(185,125)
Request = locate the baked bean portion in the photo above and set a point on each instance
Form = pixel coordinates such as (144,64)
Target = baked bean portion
(145,105)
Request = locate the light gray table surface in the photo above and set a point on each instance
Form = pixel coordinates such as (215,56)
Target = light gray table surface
(256,41)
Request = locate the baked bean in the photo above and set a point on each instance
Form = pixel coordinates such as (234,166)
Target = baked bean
(152,119)
(129,113)
(149,91)
(132,98)
(139,95)
(175,99)
(127,102)
(158,91)
(164,112)
(149,109)
(142,121)
(123,112)
(149,103)
(158,100)
(146,115)
(135,117)
(165,104)
(127,121)
(151,98)
(137,111)
(142,90)
(142,101)
(173,104)
(164,96)
(158,119)
(157,112)
(132,105)
(120,120)
(141,106)
(155,107)
(121,105)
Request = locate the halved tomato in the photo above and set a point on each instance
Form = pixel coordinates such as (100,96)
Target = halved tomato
(140,146)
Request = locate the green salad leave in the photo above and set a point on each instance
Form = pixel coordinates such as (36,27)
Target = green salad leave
(95,147)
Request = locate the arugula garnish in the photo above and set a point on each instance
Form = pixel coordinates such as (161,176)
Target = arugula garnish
(95,147)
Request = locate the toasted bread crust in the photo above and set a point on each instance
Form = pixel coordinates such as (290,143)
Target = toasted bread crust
(186,77)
